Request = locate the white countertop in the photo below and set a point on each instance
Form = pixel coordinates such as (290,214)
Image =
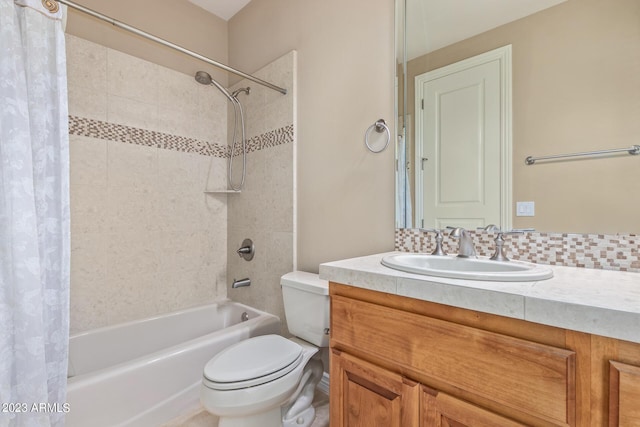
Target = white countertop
(599,302)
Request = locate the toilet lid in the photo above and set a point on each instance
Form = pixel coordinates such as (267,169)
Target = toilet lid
(255,358)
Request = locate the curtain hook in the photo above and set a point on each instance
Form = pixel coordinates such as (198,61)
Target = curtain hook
(51,5)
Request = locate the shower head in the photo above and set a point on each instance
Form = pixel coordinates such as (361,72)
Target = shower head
(204,78)
(242,89)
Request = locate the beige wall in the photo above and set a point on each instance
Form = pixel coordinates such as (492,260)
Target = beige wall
(345,83)
(345,54)
(575,88)
(177,21)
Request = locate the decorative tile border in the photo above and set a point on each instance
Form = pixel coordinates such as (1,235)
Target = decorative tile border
(131,135)
(283,135)
(600,251)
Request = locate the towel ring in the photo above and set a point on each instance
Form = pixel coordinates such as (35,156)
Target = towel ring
(380,126)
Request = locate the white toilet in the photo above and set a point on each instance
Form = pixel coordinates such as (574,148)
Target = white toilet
(269,381)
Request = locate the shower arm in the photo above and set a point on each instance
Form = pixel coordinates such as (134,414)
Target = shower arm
(151,37)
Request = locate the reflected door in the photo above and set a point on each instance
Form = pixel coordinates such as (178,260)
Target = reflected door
(460,139)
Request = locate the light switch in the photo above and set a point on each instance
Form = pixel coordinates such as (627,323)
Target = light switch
(525,209)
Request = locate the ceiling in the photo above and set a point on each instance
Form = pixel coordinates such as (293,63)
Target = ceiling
(433,24)
(225,9)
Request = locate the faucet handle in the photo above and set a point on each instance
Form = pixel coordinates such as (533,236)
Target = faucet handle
(499,254)
(490,227)
(438,250)
(430,230)
(455,231)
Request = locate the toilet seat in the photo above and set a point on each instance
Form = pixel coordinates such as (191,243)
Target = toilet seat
(252,362)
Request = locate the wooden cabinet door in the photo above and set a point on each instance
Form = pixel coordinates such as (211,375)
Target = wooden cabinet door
(442,410)
(533,379)
(365,395)
(624,395)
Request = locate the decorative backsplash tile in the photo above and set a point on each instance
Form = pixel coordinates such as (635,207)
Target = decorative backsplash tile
(601,251)
(131,135)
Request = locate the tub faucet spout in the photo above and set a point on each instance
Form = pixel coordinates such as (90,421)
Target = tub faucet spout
(241,283)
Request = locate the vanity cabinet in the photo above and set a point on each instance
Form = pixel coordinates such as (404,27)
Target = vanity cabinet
(398,361)
(368,395)
(440,409)
(624,394)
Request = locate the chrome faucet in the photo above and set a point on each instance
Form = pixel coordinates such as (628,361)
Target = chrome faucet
(490,227)
(500,254)
(465,242)
(241,283)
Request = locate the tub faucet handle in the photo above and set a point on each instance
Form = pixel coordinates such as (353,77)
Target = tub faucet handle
(247,250)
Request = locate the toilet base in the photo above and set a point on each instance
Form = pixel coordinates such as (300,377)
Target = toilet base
(303,419)
(273,404)
(272,418)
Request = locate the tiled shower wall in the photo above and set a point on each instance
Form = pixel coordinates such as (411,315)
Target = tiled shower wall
(145,142)
(265,209)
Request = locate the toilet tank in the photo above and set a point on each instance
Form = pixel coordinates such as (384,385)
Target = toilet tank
(306,306)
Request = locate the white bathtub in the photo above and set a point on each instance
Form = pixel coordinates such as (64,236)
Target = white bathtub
(147,372)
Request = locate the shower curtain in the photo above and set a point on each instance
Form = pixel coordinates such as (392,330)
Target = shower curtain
(34,214)
(404,215)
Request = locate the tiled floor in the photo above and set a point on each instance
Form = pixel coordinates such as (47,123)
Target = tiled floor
(202,418)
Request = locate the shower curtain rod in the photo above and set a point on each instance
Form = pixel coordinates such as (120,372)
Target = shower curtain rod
(169,44)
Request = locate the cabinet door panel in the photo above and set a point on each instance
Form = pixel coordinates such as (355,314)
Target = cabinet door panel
(624,395)
(479,362)
(442,410)
(364,395)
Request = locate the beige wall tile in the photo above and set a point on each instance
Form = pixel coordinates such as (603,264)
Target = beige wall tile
(177,122)
(88,160)
(132,112)
(84,102)
(212,115)
(132,166)
(86,78)
(131,297)
(88,207)
(131,77)
(264,211)
(86,65)
(162,242)
(89,299)
(216,174)
(146,239)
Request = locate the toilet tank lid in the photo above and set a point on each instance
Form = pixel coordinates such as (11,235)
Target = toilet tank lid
(309,282)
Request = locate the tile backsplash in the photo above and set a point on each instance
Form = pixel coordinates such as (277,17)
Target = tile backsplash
(600,251)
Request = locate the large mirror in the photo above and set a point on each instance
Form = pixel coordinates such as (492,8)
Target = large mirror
(568,82)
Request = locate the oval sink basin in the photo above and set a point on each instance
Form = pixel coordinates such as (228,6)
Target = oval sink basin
(467,268)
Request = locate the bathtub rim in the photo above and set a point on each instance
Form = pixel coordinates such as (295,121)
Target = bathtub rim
(72,377)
